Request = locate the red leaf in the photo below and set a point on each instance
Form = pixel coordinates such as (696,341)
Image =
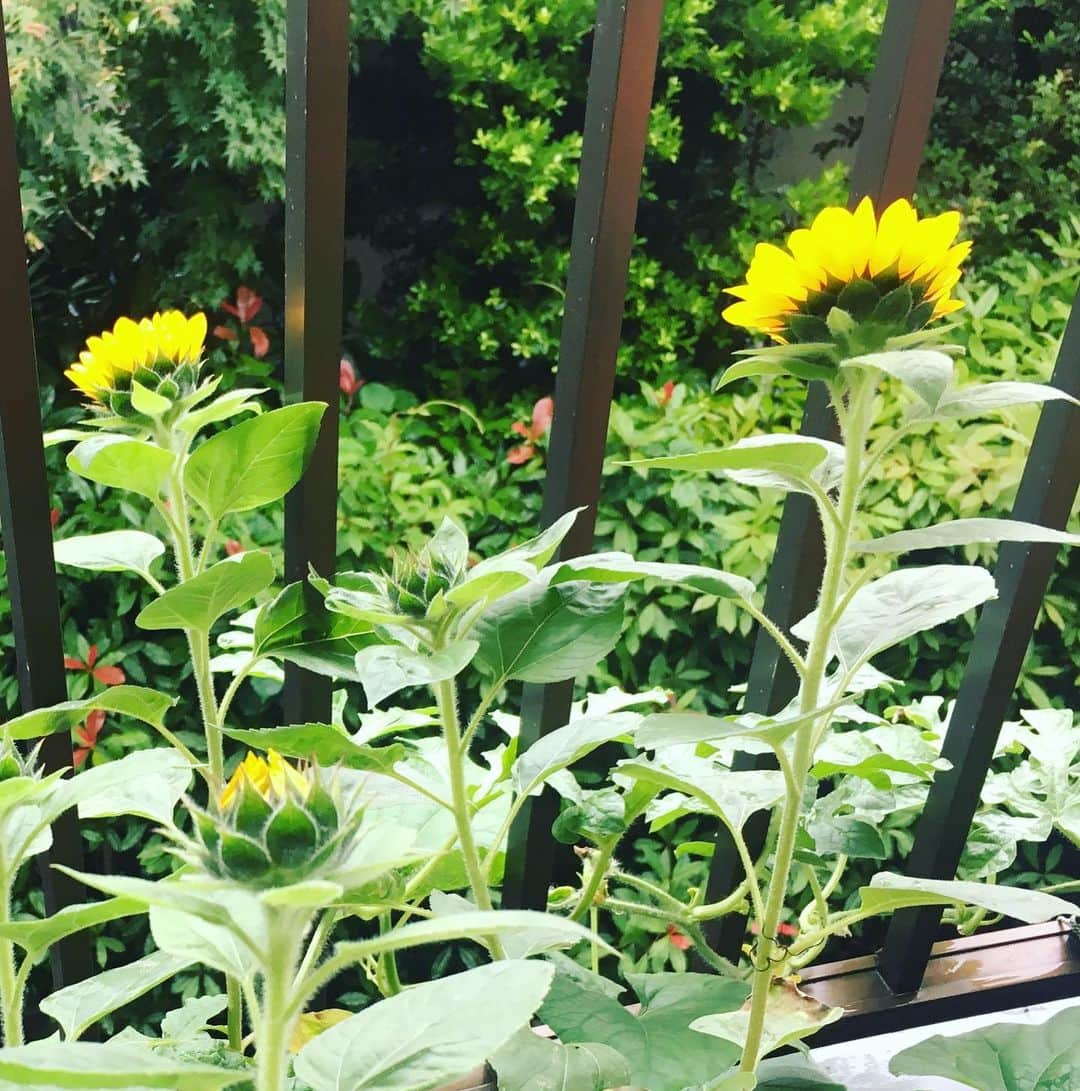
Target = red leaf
(91,657)
(78,758)
(87,736)
(110,676)
(231,308)
(517,455)
(260,343)
(74,664)
(678,939)
(543,412)
(232,547)
(54,517)
(666,391)
(224,333)
(520,429)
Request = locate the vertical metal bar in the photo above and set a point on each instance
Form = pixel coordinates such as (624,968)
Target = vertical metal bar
(616,125)
(24,517)
(898,110)
(1047,491)
(316,89)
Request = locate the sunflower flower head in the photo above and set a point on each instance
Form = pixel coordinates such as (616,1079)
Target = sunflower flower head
(142,368)
(273,824)
(853,280)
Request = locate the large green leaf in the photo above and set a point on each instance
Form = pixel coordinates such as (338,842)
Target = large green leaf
(385,669)
(663,1053)
(77,1007)
(189,937)
(705,787)
(962,532)
(543,633)
(567,745)
(923,371)
(295,627)
(255,462)
(37,936)
(529,1062)
(122,463)
(231,404)
(140,703)
(148,783)
(113,551)
(888,892)
(325,743)
(790,1016)
(977,400)
(51,1065)
(1003,1056)
(199,602)
(901,604)
(429,1035)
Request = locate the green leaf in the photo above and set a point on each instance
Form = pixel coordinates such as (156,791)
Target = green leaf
(497,576)
(563,747)
(790,1016)
(322,743)
(901,604)
(384,669)
(187,1023)
(122,463)
(200,601)
(529,1062)
(663,729)
(147,783)
(622,568)
(148,401)
(140,703)
(785,456)
(306,633)
(312,894)
(661,1050)
(429,1035)
(711,789)
(974,401)
(1002,1057)
(77,1007)
(752,368)
(193,937)
(36,937)
(470,924)
(231,404)
(927,373)
(255,462)
(962,532)
(51,1065)
(542,633)
(888,892)
(113,551)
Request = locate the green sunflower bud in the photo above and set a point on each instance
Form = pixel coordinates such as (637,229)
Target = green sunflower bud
(274,825)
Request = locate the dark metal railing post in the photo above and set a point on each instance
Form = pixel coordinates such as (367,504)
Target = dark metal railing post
(616,126)
(898,111)
(1046,495)
(24,519)
(316,89)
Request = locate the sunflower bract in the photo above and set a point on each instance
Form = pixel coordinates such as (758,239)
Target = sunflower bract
(897,271)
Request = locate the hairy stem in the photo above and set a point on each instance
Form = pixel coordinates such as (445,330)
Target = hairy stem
(446,697)
(279,1010)
(11,989)
(597,864)
(767,952)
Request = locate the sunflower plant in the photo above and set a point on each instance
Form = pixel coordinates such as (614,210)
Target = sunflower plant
(394,827)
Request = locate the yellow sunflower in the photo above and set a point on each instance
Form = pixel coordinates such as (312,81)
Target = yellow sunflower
(108,362)
(896,270)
